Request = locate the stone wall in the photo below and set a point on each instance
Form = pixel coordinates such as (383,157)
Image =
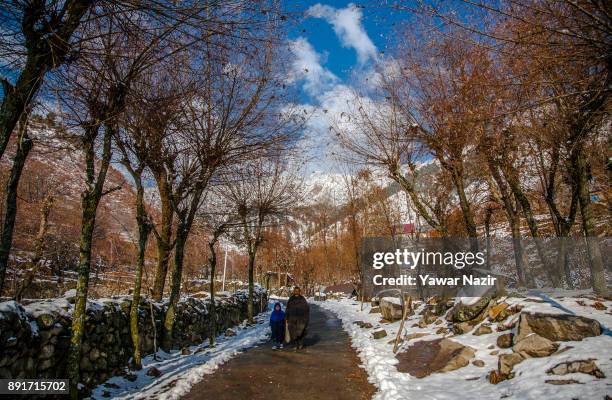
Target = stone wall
(35,336)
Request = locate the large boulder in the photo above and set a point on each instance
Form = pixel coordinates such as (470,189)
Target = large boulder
(415,335)
(440,355)
(507,362)
(428,318)
(379,334)
(578,366)
(501,311)
(505,341)
(390,308)
(483,330)
(496,311)
(462,327)
(557,327)
(535,346)
(437,306)
(468,311)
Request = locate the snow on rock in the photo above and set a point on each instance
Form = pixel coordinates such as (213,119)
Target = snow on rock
(391,308)
(530,376)
(34,336)
(394,300)
(59,306)
(12,307)
(175,373)
(468,301)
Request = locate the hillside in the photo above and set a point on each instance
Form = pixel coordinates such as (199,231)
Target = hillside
(55,171)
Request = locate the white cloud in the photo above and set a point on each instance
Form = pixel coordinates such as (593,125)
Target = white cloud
(307,66)
(333,110)
(347,25)
(332,100)
(387,70)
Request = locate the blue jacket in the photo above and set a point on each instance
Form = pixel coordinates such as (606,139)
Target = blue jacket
(277,316)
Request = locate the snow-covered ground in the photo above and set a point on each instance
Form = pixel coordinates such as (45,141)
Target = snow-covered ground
(180,372)
(471,382)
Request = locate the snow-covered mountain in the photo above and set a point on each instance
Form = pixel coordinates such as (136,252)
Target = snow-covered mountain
(324,187)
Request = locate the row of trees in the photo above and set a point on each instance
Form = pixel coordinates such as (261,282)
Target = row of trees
(514,111)
(322,242)
(186,96)
(484,115)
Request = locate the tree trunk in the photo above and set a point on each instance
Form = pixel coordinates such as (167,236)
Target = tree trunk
(519,253)
(175,286)
(466,210)
(164,247)
(525,204)
(513,214)
(185,221)
(43,226)
(252,253)
(487,224)
(143,236)
(44,53)
(562,261)
(24,145)
(18,97)
(563,225)
(598,280)
(89,203)
(212,260)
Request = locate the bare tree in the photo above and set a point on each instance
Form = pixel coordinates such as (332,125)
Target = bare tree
(503,195)
(216,217)
(235,113)
(167,93)
(262,193)
(96,98)
(443,92)
(24,145)
(37,261)
(561,96)
(38,36)
(559,58)
(146,116)
(384,134)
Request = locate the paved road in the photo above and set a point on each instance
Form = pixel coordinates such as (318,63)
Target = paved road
(327,368)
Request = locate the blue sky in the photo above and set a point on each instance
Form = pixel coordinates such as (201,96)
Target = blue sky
(334,44)
(314,21)
(321,35)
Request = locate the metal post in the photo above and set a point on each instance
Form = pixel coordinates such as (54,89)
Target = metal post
(224,268)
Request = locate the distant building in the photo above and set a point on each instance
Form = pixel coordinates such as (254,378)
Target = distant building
(404,229)
(275,278)
(347,289)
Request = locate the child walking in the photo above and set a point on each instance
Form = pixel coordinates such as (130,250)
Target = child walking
(277,324)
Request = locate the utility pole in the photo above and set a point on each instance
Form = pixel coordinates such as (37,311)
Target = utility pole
(224,269)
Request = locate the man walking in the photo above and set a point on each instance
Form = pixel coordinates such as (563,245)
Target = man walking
(297,315)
